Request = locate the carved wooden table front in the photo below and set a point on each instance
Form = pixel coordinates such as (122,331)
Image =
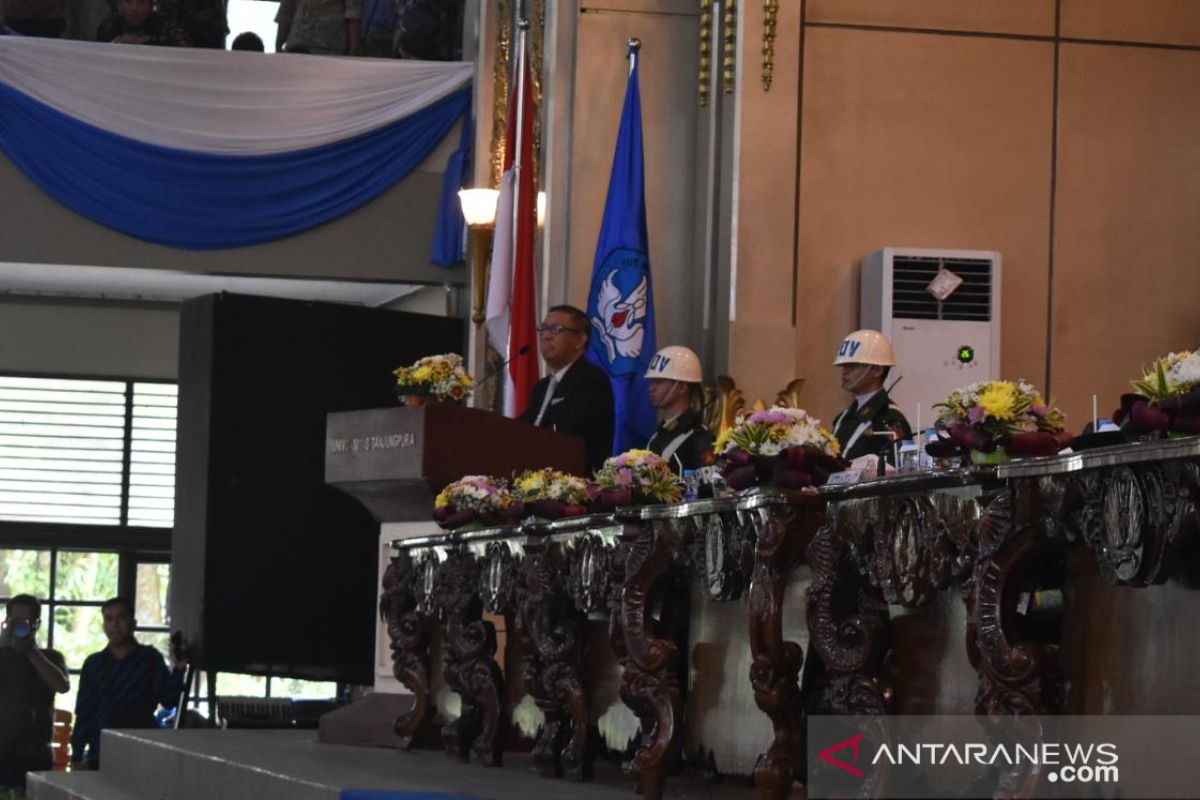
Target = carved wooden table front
(996,535)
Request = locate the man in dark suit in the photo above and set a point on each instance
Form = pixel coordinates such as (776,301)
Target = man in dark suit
(576,397)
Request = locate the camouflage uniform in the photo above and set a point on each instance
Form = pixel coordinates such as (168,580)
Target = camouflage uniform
(319,26)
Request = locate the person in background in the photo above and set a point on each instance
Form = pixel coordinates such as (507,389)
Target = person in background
(29,678)
(675,384)
(46,19)
(135,22)
(248,41)
(576,397)
(121,686)
(203,21)
(871,424)
(323,27)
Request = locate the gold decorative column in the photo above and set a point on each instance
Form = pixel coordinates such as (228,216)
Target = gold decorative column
(770,18)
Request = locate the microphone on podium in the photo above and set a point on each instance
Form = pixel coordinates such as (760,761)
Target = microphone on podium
(523,351)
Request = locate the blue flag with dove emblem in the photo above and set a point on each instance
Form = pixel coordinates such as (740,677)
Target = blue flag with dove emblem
(621,301)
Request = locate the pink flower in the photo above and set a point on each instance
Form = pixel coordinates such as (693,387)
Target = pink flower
(975,414)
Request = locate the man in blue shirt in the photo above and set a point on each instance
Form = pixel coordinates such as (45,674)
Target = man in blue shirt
(121,686)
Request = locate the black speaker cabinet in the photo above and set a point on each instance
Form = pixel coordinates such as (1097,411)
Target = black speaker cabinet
(273,572)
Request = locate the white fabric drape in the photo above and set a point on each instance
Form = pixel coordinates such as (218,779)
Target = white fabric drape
(211,101)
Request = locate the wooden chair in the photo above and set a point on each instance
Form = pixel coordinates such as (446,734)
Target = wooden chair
(61,740)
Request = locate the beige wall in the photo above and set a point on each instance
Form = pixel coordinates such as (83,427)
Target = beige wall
(668,87)
(940,124)
(123,340)
(1127,233)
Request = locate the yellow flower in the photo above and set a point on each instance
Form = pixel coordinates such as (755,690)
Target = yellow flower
(443,498)
(999,400)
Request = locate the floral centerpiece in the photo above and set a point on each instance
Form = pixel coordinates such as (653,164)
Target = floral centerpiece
(635,477)
(1167,398)
(996,420)
(441,377)
(785,447)
(550,494)
(473,499)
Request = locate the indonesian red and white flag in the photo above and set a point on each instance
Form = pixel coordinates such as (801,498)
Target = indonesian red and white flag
(511,309)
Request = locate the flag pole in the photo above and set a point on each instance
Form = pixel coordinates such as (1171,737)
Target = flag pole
(518,160)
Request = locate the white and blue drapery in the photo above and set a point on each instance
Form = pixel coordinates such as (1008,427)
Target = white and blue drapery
(201,150)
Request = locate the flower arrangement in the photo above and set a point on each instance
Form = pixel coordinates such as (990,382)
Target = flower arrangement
(636,476)
(785,447)
(473,499)
(550,494)
(441,377)
(997,419)
(1167,398)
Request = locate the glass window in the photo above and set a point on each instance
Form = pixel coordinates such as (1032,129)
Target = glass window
(234,685)
(292,687)
(25,572)
(78,632)
(152,455)
(86,575)
(150,595)
(61,450)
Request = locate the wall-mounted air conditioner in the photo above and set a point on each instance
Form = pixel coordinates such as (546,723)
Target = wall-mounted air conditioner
(943,342)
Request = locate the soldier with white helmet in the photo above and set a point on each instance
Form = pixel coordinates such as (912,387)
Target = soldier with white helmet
(872,423)
(674,380)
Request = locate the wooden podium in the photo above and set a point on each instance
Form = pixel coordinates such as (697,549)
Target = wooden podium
(395,460)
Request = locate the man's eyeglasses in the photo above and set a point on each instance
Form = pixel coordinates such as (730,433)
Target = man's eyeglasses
(555,328)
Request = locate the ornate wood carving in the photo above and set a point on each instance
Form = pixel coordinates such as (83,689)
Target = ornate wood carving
(921,542)
(719,550)
(408,630)
(469,662)
(770,21)
(706,23)
(590,568)
(498,585)
(554,633)
(1017,675)
(848,623)
(1138,519)
(649,684)
(783,537)
(729,59)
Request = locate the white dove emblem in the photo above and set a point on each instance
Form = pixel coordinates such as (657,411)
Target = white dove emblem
(620,324)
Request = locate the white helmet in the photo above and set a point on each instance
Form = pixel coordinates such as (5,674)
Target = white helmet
(675,363)
(865,347)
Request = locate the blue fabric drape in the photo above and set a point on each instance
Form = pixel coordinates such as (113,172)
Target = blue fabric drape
(203,201)
(448,246)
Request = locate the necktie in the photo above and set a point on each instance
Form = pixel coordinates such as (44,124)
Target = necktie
(550,387)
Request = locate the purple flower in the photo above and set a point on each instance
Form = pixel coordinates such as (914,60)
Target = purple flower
(976,414)
(1040,411)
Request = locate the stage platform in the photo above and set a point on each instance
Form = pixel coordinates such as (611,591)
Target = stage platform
(293,765)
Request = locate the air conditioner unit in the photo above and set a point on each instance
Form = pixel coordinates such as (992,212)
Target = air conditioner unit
(940,344)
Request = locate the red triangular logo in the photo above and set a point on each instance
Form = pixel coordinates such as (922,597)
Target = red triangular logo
(852,742)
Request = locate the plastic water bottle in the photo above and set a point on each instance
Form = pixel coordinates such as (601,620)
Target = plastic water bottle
(691,485)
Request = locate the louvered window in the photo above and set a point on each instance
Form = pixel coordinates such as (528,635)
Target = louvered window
(971,301)
(87,452)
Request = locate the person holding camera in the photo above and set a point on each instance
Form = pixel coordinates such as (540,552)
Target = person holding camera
(29,678)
